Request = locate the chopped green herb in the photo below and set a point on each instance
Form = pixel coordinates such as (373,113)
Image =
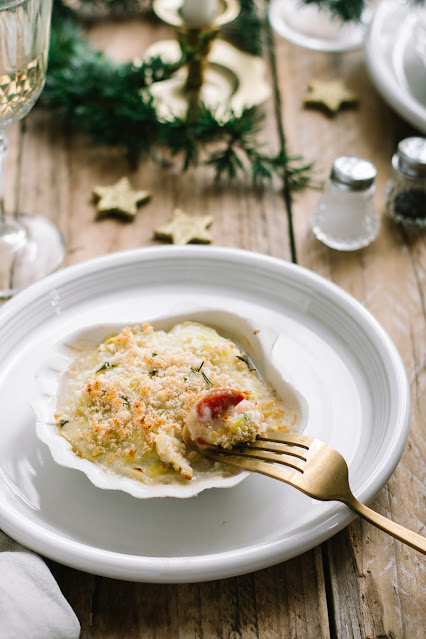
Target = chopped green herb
(154,354)
(245,415)
(246,362)
(206,379)
(198,370)
(153,372)
(63,422)
(105,366)
(125,401)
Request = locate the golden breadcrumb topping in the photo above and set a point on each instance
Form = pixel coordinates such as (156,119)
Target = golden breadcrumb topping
(124,404)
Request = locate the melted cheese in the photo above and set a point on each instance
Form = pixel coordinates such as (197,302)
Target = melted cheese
(124,404)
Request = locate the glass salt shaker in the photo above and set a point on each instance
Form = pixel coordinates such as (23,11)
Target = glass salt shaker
(405,196)
(346,218)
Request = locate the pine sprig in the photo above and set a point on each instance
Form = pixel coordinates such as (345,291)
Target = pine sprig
(112,104)
(242,153)
(108,102)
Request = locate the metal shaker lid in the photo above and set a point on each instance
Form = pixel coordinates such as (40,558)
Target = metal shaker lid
(353,173)
(410,158)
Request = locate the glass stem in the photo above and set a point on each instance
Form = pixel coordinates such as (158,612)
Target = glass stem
(3,152)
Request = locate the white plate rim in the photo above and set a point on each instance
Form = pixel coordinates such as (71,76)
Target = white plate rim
(229,563)
(381,73)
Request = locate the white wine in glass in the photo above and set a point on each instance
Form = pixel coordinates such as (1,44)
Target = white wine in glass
(31,246)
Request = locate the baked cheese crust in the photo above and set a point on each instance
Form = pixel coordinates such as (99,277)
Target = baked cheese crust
(124,404)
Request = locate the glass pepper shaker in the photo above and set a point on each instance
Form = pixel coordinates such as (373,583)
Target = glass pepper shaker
(346,218)
(405,196)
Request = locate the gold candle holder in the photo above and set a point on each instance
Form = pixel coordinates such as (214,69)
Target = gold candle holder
(195,41)
(216,73)
(196,44)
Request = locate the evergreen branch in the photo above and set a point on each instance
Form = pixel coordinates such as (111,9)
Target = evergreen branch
(229,161)
(242,149)
(112,104)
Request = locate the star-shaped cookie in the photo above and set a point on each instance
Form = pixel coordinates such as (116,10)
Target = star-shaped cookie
(331,95)
(184,229)
(119,199)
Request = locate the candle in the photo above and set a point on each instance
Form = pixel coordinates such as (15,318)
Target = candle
(197,13)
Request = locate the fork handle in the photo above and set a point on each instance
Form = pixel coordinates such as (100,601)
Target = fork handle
(396,530)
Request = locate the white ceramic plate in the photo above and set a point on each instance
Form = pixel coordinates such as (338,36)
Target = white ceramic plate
(394,64)
(329,347)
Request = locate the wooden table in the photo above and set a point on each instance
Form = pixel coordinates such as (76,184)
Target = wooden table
(361,583)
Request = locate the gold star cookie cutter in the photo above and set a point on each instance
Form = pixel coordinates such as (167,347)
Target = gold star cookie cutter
(119,199)
(329,96)
(185,229)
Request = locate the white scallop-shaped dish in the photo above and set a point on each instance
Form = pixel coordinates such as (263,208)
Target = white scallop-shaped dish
(256,341)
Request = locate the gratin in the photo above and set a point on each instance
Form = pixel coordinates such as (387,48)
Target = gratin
(140,403)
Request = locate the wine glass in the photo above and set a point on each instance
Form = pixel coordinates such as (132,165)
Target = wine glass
(30,245)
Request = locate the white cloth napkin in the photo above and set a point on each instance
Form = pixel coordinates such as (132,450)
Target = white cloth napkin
(31,603)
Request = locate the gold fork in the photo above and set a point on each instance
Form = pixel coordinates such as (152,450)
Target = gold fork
(314,468)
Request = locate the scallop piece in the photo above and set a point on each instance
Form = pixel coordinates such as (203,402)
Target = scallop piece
(223,417)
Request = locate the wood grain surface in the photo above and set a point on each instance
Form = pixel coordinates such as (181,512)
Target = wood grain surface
(361,583)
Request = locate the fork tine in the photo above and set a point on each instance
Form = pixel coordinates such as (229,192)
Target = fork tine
(294,439)
(277,447)
(254,465)
(296,463)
